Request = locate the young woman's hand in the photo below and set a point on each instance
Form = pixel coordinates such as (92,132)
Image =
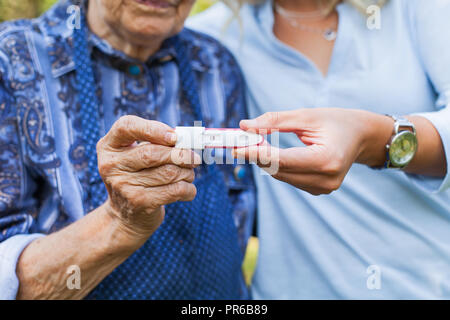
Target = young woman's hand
(334,139)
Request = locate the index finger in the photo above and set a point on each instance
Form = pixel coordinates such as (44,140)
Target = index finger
(282,121)
(129,129)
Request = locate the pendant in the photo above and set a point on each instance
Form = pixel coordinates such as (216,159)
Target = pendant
(330,35)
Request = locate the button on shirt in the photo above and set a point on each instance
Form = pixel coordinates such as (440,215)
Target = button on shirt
(384,234)
(43,167)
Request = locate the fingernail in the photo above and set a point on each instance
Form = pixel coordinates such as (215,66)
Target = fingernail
(171,137)
(248,123)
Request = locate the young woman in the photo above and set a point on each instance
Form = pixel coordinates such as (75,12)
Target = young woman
(329,72)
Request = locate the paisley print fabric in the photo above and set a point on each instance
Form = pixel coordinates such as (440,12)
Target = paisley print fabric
(43,166)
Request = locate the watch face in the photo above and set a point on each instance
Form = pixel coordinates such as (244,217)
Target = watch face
(403,148)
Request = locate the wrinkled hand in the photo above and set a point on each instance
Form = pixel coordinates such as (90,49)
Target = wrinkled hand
(142,178)
(334,139)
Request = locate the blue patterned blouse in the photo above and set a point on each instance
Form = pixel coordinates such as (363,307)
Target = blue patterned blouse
(43,168)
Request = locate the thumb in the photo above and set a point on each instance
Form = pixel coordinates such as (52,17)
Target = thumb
(283,121)
(129,129)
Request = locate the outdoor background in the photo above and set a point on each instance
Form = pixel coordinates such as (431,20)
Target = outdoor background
(17,9)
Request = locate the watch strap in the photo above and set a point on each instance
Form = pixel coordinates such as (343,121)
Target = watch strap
(400,124)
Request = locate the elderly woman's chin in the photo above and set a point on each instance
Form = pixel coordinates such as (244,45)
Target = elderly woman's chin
(146,19)
(140,31)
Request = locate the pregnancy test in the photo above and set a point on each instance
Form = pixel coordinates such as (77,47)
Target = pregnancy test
(202,138)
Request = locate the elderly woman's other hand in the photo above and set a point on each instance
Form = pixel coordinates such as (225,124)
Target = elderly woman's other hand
(143,177)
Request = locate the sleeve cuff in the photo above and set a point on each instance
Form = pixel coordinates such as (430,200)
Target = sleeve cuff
(10,251)
(441,121)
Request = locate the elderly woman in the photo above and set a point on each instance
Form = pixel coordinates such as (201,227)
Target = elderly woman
(108,73)
(382,233)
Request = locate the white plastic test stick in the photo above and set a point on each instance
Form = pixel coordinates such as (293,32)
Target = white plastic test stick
(201,138)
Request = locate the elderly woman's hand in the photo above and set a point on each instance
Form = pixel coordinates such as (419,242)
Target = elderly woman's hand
(142,178)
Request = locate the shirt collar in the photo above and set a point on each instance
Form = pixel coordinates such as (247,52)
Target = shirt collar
(265,17)
(265,22)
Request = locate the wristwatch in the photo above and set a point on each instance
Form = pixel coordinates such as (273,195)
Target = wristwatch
(402,146)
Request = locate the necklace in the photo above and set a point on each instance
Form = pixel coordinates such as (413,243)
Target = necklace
(329,34)
(323,12)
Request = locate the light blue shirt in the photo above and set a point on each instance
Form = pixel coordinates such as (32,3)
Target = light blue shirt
(383,234)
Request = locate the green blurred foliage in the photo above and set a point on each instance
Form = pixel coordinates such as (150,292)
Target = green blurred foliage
(201,5)
(251,259)
(16,9)
(46,4)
